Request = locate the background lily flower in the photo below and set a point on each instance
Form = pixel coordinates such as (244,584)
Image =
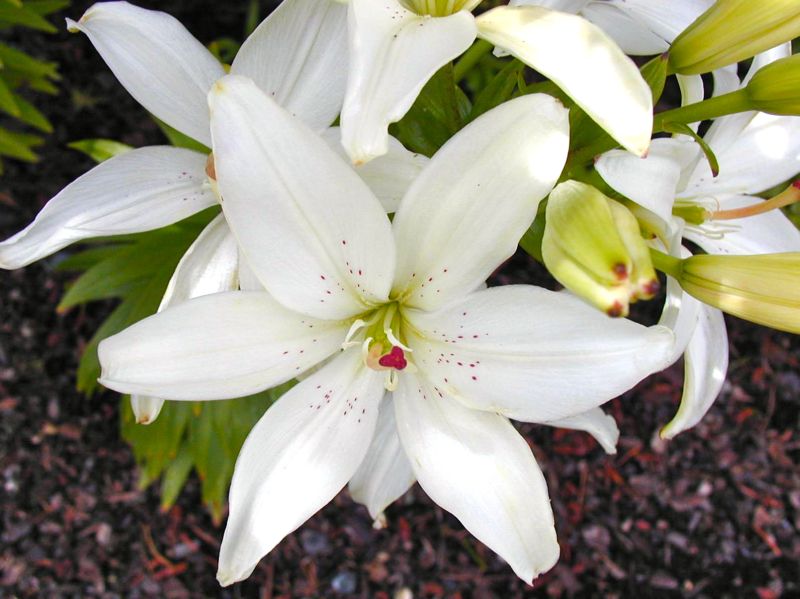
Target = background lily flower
(755,152)
(397,45)
(415,353)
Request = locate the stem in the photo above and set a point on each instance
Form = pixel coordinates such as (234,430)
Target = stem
(470,58)
(712,108)
(666,263)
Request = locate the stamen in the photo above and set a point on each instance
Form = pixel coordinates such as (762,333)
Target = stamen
(787,197)
(211,171)
(395,341)
(354,328)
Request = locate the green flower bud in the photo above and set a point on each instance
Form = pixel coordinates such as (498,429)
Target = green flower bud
(593,246)
(776,87)
(732,30)
(764,289)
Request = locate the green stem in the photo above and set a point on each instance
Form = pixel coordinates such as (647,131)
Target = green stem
(666,263)
(712,108)
(470,58)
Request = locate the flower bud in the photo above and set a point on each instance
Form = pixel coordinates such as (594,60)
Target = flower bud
(775,88)
(593,246)
(764,289)
(732,30)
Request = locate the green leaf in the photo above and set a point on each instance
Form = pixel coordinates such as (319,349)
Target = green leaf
(500,89)
(27,66)
(435,116)
(684,129)
(46,7)
(100,150)
(86,259)
(8,102)
(19,145)
(22,16)
(30,115)
(175,476)
(654,73)
(178,139)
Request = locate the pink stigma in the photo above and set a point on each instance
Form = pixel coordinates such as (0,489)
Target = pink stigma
(394,359)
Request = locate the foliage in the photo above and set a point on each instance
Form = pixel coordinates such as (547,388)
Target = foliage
(18,72)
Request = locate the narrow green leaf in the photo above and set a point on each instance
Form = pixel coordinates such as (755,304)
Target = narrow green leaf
(46,7)
(85,259)
(30,115)
(500,89)
(175,477)
(684,129)
(22,16)
(29,67)
(654,73)
(8,102)
(99,150)
(180,140)
(19,145)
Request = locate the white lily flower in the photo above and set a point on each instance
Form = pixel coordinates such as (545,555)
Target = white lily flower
(397,45)
(419,361)
(755,152)
(639,27)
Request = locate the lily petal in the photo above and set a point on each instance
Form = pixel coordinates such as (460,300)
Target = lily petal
(297,458)
(157,60)
(298,56)
(597,423)
(146,408)
(139,190)
(388,176)
(216,347)
(467,210)
(477,467)
(311,229)
(532,354)
(705,364)
(583,61)
(651,182)
(680,314)
(210,265)
(393,53)
(385,474)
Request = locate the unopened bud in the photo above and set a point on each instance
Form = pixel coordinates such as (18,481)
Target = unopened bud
(593,246)
(775,88)
(733,30)
(764,289)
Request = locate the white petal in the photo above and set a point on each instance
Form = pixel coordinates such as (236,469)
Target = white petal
(388,176)
(597,423)
(692,91)
(664,19)
(468,209)
(680,314)
(311,229)
(583,61)
(210,265)
(298,55)
(632,36)
(477,467)
(705,364)
(571,6)
(297,458)
(385,474)
(532,354)
(764,154)
(651,182)
(393,53)
(768,233)
(157,60)
(140,190)
(146,408)
(216,347)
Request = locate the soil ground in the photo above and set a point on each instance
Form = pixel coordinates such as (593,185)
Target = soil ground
(714,513)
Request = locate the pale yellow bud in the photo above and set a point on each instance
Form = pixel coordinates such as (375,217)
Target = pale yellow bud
(775,88)
(733,30)
(592,245)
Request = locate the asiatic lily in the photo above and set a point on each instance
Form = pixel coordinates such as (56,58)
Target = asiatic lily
(397,45)
(721,214)
(410,350)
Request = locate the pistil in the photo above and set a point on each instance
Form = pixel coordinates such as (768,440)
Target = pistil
(787,197)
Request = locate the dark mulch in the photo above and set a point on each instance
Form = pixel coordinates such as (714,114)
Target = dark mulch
(714,513)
